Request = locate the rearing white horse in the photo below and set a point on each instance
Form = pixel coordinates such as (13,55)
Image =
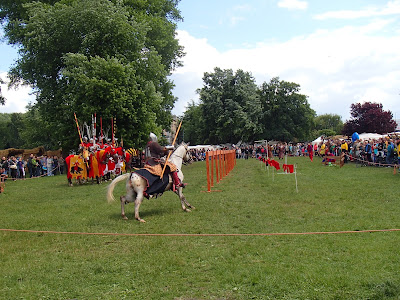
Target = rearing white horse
(136,185)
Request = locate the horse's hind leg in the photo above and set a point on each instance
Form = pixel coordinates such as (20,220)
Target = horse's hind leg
(138,201)
(129,197)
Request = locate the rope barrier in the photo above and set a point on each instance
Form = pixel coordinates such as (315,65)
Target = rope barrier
(200,234)
(370,163)
(33,177)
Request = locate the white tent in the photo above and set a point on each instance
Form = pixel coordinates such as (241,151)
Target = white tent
(317,140)
(370,136)
(206,147)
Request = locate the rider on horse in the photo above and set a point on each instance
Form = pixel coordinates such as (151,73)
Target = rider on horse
(153,164)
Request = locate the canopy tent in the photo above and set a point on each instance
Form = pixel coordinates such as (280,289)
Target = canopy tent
(370,136)
(317,140)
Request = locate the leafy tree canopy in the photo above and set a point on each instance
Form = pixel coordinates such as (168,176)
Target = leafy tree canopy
(194,124)
(369,117)
(87,56)
(233,108)
(328,125)
(230,106)
(287,115)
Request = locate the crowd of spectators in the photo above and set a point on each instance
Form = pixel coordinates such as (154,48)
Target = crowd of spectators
(377,151)
(383,151)
(35,166)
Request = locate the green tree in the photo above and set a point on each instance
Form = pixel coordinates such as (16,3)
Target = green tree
(38,132)
(11,126)
(69,49)
(110,87)
(193,124)
(327,125)
(287,115)
(2,98)
(4,121)
(230,106)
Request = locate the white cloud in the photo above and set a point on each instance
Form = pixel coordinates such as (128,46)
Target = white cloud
(235,20)
(235,15)
(335,68)
(16,99)
(293,4)
(391,8)
(243,7)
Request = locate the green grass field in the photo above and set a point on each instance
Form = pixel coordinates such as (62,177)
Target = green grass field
(325,266)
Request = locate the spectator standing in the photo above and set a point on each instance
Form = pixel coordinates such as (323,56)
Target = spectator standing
(368,151)
(238,152)
(61,164)
(344,147)
(398,152)
(55,165)
(49,165)
(310,151)
(390,152)
(12,164)
(30,166)
(21,168)
(36,168)
(4,166)
(322,150)
(281,151)
(43,165)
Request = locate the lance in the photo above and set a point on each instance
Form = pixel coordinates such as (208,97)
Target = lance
(79,131)
(94,130)
(101,131)
(112,132)
(80,137)
(169,153)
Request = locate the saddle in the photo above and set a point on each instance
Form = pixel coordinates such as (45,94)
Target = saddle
(155,184)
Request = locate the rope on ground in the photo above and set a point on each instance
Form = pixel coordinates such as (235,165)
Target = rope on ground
(198,234)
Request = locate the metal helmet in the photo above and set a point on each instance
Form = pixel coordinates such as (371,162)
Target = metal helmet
(153,137)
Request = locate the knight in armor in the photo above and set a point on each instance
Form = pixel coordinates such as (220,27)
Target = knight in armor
(153,153)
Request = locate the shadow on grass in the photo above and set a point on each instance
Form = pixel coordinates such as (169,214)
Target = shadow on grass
(130,213)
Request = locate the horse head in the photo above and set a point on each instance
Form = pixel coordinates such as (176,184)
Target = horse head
(187,158)
(181,154)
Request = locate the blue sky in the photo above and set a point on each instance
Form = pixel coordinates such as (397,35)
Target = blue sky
(340,52)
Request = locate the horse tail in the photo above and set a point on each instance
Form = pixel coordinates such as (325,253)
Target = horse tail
(111,186)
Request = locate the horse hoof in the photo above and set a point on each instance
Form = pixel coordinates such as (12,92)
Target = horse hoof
(187,210)
(124,217)
(141,221)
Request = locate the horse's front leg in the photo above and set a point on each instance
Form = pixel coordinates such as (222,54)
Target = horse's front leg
(185,205)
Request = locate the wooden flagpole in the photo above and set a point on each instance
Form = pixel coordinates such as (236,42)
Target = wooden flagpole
(169,153)
(79,131)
